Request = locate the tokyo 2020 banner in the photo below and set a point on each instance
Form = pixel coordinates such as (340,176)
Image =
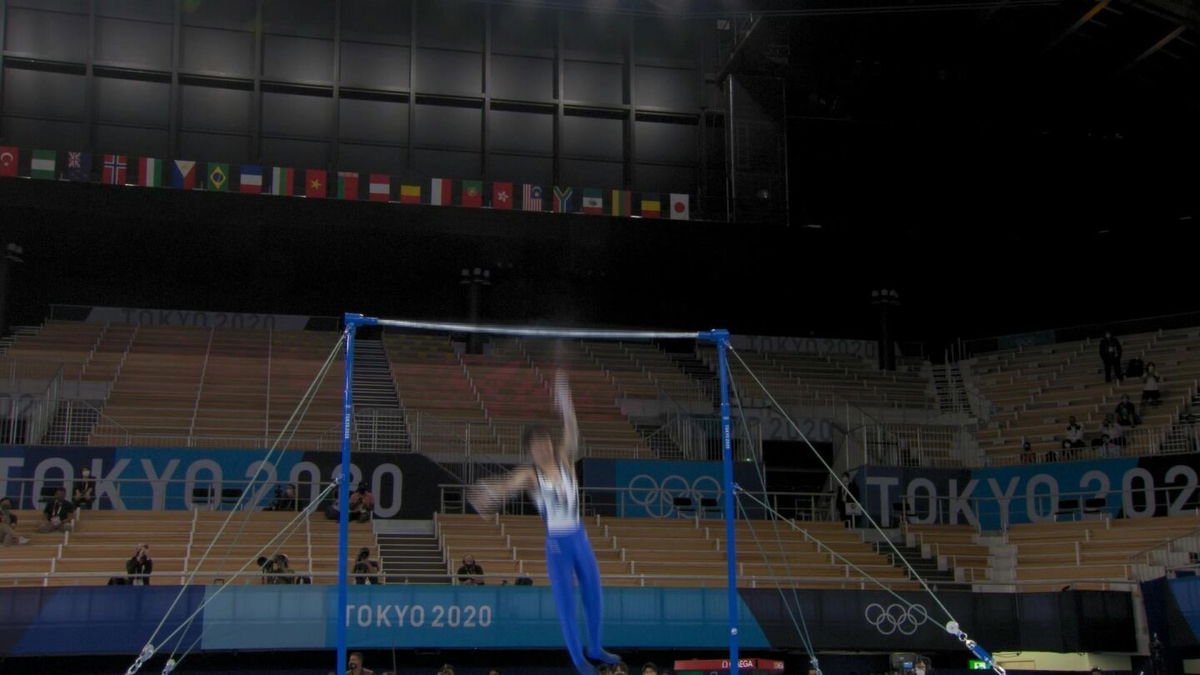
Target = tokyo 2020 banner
(119,619)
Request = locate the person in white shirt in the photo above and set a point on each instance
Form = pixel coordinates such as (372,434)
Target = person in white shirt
(1075,433)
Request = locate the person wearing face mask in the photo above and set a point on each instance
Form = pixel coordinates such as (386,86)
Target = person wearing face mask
(84,491)
(1151,381)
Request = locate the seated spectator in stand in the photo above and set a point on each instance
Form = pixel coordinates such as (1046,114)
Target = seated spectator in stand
(8,525)
(1074,433)
(1151,381)
(285,499)
(366,571)
(278,571)
(1028,456)
(468,572)
(362,504)
(1113,430)
(58,513)
(1110,354)
(139,567)
(1126,413)
(1051,456)
(1068,451)
(1109,447)
(84,492)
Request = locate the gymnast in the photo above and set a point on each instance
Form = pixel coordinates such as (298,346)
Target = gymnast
(550,481)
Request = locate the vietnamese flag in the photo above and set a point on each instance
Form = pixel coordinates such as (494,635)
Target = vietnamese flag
(314,183)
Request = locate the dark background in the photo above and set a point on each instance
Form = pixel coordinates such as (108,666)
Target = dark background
(1007,166)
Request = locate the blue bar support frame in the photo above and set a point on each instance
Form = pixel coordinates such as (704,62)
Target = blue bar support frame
(352,322)
(720,338)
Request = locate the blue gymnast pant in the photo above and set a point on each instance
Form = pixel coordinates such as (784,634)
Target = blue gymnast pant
(569,556)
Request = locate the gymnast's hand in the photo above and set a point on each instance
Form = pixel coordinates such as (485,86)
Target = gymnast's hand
(562,392)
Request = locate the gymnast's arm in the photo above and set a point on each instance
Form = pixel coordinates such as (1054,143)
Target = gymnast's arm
(568,447)
(490,493)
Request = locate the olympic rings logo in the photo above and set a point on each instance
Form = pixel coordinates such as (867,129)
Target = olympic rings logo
(896,618)
(658,499)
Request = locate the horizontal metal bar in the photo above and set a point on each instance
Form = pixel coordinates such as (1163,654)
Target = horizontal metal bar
(529,332)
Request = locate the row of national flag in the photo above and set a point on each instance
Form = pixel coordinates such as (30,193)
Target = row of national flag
(319,183)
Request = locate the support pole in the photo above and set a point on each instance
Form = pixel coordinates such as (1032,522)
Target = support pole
(352,322)
(721,339)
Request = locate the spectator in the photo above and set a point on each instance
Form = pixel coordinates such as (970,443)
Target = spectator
(362,503)
(1028,456)
(620,668)
(1150,386)
(278,571)
(1126,412)
(84,492)
(1110,354)
(1051,456)
(649,668)
(922,667)
(469,570)
(58,513)
(1074,434)
(8,525)
(446,669)
(1067,452)
(366,570)
(1111,429)
(1109,447)
(354,665)
(285,499)
(493,671)
(139,567)
(846,498)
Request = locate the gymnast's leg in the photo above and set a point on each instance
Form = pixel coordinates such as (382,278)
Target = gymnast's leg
(559,566)
(588,572)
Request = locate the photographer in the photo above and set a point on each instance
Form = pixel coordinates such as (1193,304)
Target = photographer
(362,504)
(276,570)
(84,491)
(139,567)
(366,571)
(58,513)
(8,525)
(285,499)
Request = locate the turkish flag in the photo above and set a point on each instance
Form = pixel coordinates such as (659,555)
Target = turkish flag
(8,160)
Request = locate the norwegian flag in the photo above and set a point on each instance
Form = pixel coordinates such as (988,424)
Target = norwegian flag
(114,169)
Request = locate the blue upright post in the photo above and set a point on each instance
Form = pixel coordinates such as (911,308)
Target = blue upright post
(352,321)
(721,339)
